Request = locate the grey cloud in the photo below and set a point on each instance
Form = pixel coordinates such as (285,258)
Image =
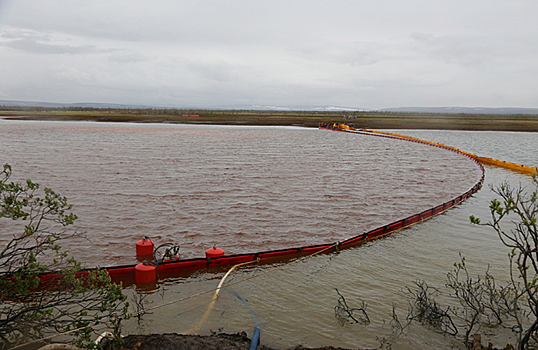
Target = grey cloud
(456,49)
(365,53)
(32,46)
(20,34)
(128,56)
(42,43)
(216,71)
(358,53)
(347,52)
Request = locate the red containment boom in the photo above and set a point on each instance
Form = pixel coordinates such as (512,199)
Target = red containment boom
(215,258)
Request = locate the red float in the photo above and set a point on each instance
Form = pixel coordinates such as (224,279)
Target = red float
(214,252)
(145,273)
(144,247)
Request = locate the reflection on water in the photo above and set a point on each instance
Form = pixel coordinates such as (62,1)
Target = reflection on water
(246,188)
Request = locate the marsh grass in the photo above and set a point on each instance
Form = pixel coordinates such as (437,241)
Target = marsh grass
(371,120)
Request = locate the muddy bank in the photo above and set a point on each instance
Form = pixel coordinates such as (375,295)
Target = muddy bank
(173,341)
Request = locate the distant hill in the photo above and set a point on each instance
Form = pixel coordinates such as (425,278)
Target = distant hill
(462,110)
(438,110)
(9,103)
(12,103)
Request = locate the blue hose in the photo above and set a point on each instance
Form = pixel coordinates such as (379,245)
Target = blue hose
(256,336)
(255,339)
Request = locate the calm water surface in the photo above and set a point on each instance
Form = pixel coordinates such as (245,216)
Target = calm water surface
(247,189)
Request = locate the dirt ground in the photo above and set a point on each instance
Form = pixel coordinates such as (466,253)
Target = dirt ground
(175,341)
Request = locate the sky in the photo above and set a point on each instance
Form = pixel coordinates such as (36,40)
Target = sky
(290,53)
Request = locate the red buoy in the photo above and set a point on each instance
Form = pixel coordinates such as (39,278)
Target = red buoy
(145,273)
(214,252)
(144,247)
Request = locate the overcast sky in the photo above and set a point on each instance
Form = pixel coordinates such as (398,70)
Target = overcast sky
(362,54)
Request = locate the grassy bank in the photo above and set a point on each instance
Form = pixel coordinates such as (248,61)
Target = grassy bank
(372,120)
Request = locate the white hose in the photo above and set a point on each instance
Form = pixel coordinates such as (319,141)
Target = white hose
(214,298)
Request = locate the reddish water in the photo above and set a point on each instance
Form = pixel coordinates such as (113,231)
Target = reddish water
(244,189)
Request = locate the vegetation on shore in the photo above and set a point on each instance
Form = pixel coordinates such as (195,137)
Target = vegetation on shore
(359,119)
(32,307)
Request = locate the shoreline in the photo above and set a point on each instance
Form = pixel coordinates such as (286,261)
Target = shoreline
(366,120)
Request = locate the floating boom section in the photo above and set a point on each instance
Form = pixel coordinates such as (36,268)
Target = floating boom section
(507,165)
(186,267)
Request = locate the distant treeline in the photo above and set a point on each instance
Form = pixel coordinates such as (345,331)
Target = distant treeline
(357,119)
(171,111)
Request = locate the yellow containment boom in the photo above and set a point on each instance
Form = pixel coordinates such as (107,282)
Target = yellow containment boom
(512,166)
(484,160)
